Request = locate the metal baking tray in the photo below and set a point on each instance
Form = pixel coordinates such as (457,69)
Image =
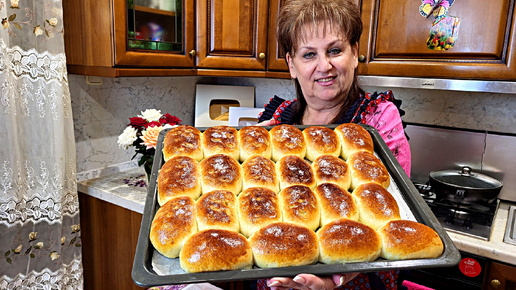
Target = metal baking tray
(150,268)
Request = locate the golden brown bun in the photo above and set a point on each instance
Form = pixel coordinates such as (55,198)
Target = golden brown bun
(221,172)
(257,207)
(179,176)
(347,241)
(254,140)
(172,225)
(216,250)
(404,239)
(353,138)
(299,206)
(221,140)
(376,205)
(287,140)
(335,203)
(259,171)
(329,168)
(321,141)
(284,244)
(183,140)
(293,170)
(365,168)
(217,210)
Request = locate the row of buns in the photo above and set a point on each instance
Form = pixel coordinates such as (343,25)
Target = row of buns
(252,214)
(182,175)
(175,232)
(281,140)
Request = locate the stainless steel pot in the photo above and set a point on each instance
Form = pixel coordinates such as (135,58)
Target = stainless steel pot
(464,186)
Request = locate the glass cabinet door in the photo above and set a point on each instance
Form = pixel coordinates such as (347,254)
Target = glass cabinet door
(154,25)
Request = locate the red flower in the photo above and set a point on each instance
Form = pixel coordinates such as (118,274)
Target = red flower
(169,119)
(137,122)
(153,124)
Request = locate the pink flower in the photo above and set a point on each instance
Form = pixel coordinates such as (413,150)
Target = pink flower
(150,136)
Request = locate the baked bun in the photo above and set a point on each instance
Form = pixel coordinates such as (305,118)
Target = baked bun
(299,206)
(259,171)
(293,170)
(183,140)
(172,225)
(287,140)
(353,138)
(221,140)
(332,169)
(217,210)
(347,241)
(284,244)
(335,203)
(216,250)
(376,205)
(321,141)
(257,207)
(179,176)
(221,172)
(405,239)
(254,140)
(365,168)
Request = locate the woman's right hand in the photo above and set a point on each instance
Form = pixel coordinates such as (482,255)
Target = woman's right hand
(310,282)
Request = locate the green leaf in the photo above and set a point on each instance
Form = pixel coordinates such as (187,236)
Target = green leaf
(46,33)
(28,250)
(9,260)
(32,256)
(8,252)
(18,26)
(73,240)
(12,17)
(78,245)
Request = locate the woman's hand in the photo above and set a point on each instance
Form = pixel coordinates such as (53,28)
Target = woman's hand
(270,122)
(310,282)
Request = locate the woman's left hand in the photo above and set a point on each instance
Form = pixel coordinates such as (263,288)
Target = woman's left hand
(310,282)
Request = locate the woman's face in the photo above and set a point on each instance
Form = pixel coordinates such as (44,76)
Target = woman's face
(324,67)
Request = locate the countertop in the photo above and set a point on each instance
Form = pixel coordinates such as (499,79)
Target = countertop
(127,189)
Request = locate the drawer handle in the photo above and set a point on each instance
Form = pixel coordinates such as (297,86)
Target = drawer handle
(261,55)
(496,283)
(361,58)
(192,52)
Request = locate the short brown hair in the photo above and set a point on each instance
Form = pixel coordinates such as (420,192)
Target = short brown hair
(294,14)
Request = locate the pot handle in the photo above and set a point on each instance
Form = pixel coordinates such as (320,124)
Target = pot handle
(466,171)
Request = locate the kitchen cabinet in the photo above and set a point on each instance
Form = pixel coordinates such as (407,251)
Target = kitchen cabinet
(220,37)
(109,235)
(394,41)
(101,39)
(232,34)
(501,276)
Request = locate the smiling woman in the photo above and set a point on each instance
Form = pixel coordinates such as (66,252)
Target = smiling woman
(320,40)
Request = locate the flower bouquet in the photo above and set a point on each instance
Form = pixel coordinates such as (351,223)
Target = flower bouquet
(142,132)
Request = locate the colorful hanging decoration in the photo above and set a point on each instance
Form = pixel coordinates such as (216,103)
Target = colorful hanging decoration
(445,28)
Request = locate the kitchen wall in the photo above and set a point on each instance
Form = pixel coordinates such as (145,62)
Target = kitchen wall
(101,112)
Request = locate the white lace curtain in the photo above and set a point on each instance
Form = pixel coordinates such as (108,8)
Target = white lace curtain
(40,243)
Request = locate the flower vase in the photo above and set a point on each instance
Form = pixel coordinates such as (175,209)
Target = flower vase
(147,165)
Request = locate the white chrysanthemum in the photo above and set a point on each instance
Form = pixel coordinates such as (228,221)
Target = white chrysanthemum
(127,137)
(151,115)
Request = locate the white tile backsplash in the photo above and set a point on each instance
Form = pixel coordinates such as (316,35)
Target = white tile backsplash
(101,112)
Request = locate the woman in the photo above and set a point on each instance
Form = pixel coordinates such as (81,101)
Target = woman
(320,38)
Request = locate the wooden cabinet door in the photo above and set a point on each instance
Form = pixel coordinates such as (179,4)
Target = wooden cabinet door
(394,42)
(232,34)
(501,277)
(275,56)
(148,58)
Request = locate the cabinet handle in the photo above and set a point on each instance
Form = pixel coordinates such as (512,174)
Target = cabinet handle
(361,58)
(496,283)
(192,52)
(261,55)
